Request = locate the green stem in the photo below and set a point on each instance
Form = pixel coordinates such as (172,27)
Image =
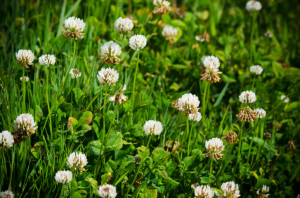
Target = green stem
(251,39)
(69,68)
(197,133)
(254,135)
(190,134)
(62,190)
(150,137)
(24,90)
(240,145)
(104,109)
(47,98)
(12,166)
(210,170)
(203,99)
(134,81)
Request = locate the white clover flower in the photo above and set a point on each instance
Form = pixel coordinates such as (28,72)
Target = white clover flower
(25,123)
(162,7)
(268,34)
(204,192)
(161,3)
(25,78)
(253,6)
(153,127)
(188,103)
(230,189)
(286,99)
(64,176)
(107,191)
(202,59)
(264,191)
(75,73)
(110,52)
(108,75)
(195,117)
(25,57)
(211,61)
(6,139)
(73,24)
(169,32)
(7,194)
(137,42)
(77,161)
(256,69)
(47,60)
(215,147)
(123,25)
(247,97)
(260,113)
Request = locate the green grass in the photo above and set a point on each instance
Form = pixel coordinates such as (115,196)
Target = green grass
(165,73)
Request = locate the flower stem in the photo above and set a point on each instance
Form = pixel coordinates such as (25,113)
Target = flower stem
(24,90)
(240,145)
(104,109)
(134,81)
(251,39)
(47,98)
(254,135)
(210,170)
(190,134)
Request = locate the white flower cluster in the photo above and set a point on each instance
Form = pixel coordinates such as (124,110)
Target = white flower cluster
(119,97)
(252,6)
(73,24)
(108,75)
(75,73)
(123,25)
(47,60)
(25,78)
(195,117)
(264,191)
(153,127)
(268,34)
(77,161)
(260,113)
(230,189)
(111,50)
(25,57)
(286,99)
(137,42)
(214,145)
(247,97)
(7,194)
(107,191)
(25,122)
(211,61)
(64,176)
(6,139)
(256,69)
(188,102)
(204,191)
(169,32)
(161,3)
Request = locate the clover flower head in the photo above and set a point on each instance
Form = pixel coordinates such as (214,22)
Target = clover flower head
(195,117)
(247,97)
(153,127)
(256,69)
(137,42)
(268,34)
(188,103)
(77,161)
(246,115)
(253,6)
(260,113)
(25,57)
(74,28)
(6,139)
(230,189)
(25,78)
(108,75)
(110,52)
(211,61)
(47,60)
(24,126)
(64,176)
(169,32)
(75,73)
(204,192)
(286,98)
(215,147)
(7,194)
(264,192)
(107,191)
(123,25)
(161,7)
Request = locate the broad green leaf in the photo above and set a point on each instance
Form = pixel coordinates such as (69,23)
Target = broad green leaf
(114,141)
